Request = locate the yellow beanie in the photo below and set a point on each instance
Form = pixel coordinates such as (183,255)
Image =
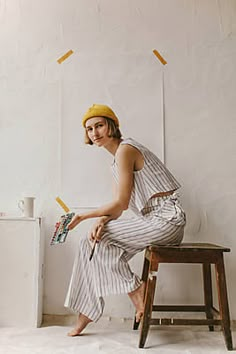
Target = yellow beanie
(100,110)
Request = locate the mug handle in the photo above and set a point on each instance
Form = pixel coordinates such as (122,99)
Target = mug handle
(21,205)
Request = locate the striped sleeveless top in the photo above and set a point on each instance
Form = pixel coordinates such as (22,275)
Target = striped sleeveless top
(153,178)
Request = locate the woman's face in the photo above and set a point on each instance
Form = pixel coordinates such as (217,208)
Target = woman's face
(97,130)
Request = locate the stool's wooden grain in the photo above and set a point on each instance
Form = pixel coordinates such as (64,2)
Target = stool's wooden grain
(201,253)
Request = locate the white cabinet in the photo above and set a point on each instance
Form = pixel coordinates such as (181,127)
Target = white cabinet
(21,272)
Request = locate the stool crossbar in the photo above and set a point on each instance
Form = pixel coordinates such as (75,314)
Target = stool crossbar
(202,253)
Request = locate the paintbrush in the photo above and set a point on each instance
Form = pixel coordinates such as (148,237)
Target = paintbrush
(93,249)
(94,245)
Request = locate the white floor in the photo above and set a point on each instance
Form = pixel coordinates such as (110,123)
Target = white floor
(112,336)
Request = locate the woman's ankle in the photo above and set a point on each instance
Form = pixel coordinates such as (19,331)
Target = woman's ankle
(82,323)
(137,298)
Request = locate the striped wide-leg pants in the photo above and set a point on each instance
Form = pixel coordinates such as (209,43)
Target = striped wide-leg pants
(161,222)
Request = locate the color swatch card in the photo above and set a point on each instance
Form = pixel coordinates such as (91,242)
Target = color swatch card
(61,230)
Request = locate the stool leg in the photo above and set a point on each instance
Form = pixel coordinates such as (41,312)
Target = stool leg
(223,301)
(208,292)
(144,279)
(148,304)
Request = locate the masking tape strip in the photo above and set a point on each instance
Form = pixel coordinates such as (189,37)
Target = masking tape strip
(65,56)
(63,205)
(158,55)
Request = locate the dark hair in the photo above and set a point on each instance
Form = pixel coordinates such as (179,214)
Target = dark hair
(113,131)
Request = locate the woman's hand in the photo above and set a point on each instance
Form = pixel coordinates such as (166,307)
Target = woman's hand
(97,228)
(74,222)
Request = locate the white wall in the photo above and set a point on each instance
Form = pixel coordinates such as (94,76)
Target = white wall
(198,40)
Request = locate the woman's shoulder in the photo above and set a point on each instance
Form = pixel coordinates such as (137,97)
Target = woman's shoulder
(130,144)
(136,144)
(130,141)
(127,140)
(127,146)
(128,149)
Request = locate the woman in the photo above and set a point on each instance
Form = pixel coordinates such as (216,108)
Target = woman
(148,188)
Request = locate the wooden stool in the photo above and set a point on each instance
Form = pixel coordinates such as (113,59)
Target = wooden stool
(203,253)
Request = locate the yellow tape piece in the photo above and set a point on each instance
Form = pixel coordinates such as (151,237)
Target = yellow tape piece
(65,56)
(62,204)
(158,55)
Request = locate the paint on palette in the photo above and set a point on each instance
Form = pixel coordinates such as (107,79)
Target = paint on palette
(61,230)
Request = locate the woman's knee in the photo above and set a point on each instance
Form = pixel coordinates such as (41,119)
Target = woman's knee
(83,242)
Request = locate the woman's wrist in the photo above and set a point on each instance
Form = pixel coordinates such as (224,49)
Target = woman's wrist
(105,218)
(96,213)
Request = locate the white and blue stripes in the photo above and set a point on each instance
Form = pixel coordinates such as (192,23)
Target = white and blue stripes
(157,221)
(153,178)
(162,222)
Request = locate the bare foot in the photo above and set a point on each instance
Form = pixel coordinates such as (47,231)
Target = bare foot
(82,322)
(137,298)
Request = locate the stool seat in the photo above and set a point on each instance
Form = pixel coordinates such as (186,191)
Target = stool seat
(190,246)
(199,253)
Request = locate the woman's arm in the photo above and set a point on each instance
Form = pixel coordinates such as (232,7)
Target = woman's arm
(125,159)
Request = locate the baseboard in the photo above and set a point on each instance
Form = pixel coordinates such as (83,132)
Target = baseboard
(69,320)
(58,320)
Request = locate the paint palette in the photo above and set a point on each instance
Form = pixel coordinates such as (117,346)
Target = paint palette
(61,230)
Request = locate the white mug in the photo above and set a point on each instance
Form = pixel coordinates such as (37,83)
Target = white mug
(26,205)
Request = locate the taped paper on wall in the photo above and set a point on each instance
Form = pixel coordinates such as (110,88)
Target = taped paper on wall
(65,56)
(158,55)
(62,204)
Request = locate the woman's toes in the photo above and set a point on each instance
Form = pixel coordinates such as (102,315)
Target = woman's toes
(139,316)
(73,333)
